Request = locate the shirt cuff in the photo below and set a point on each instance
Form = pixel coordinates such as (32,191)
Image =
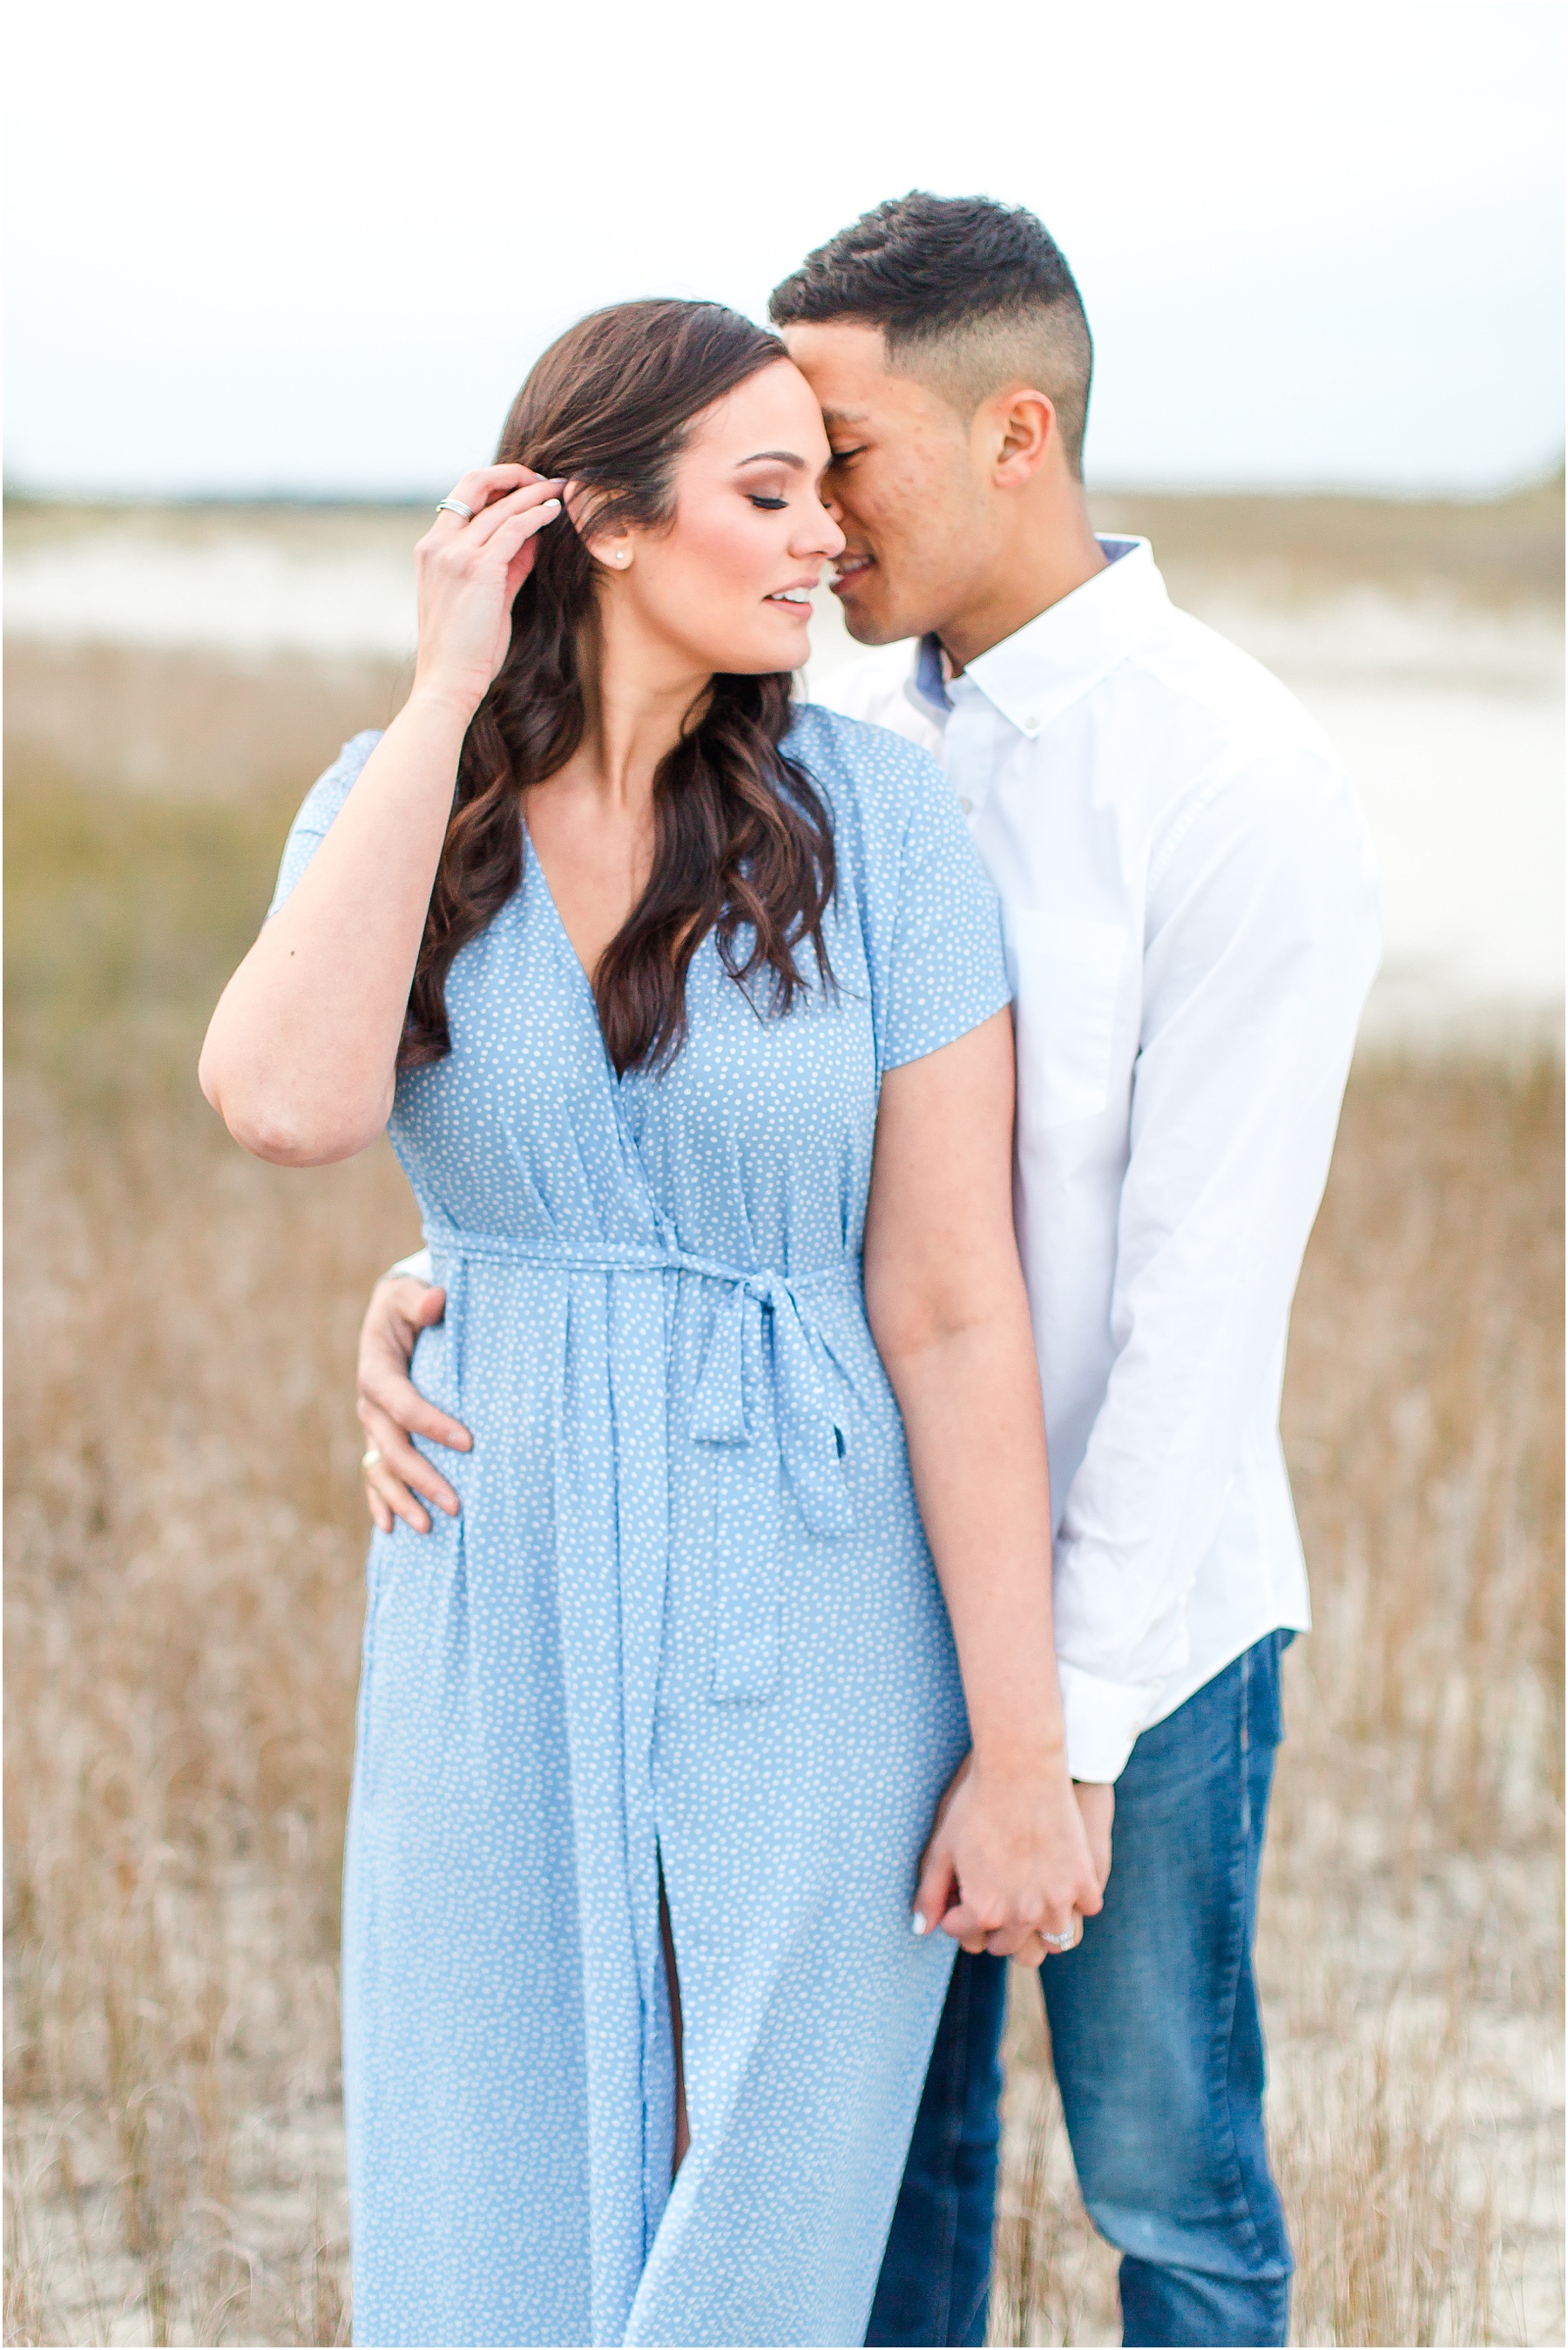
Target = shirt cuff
(1103,1719)
(417,1267)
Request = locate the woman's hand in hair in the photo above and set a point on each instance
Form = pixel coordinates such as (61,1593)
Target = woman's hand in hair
(469,574)
(301,1056)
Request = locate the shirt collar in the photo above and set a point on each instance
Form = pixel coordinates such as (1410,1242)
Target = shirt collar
(931,680)
(1032,676)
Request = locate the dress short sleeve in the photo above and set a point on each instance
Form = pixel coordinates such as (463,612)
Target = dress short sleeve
(320,804)
(947,971)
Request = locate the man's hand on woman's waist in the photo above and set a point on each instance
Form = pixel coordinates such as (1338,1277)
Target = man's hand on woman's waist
(391,1408)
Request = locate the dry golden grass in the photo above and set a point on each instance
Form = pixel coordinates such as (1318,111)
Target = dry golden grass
(184,1605)
(183,724)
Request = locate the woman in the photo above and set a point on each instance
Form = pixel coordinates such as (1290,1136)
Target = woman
(680,1004)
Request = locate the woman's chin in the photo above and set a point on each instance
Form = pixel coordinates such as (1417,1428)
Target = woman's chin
(790,648)
(793,642)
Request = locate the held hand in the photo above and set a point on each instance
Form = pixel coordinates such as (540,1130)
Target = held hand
(1097,1806)
(390,1406)
(469,573)
(1009,1860)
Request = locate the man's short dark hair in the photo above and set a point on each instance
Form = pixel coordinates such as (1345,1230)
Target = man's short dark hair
(970,295)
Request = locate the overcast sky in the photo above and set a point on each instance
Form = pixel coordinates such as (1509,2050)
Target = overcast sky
(314,246)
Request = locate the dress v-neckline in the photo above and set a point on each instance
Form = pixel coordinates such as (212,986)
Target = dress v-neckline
(617,1083)
(533,862)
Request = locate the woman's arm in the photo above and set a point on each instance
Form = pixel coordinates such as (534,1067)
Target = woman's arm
(945,1296)
(301,1055)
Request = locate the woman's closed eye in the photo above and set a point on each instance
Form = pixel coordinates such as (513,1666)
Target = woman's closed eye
(768,506)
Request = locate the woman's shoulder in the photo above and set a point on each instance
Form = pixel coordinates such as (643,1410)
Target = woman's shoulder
(328,792)
(318,809)
(877,780)
(927,910)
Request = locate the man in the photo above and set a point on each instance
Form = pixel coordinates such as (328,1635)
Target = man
(1193,924)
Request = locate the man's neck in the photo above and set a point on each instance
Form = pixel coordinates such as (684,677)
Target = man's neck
(1059,553)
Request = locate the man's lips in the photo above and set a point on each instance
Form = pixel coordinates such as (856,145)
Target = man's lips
(849,568)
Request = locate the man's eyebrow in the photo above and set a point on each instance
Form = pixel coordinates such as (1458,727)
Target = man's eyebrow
(831,416)
(775,457)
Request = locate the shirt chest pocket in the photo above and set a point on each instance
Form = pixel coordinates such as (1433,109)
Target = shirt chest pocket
(1066,974)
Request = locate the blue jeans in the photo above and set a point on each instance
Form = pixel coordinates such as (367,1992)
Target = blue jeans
(1159,2053)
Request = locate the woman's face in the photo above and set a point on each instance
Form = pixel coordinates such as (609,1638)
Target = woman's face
(726,585)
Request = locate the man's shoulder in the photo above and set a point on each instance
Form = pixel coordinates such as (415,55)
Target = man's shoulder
(1221,705)
(874,687)
(1239,759)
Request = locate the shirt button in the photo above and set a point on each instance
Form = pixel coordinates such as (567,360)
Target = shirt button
(966,804)
(1032,726)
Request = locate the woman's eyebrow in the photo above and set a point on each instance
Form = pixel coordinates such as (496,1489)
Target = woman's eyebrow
(776,457)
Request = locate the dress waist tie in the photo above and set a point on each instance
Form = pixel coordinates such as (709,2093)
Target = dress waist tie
(757,1427)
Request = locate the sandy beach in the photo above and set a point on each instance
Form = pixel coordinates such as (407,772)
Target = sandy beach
(1426,640)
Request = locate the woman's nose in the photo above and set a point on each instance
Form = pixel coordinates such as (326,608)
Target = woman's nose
(826,537)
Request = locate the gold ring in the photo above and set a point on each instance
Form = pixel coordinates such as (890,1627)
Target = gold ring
(369,1459)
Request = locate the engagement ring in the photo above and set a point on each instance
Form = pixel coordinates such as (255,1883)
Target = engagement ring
(368,1461)
(456,506)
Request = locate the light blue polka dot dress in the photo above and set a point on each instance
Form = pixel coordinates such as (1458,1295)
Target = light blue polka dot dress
(687,1621)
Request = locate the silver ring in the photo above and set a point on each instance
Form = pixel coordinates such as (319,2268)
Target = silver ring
(1061,1942)
(456,506)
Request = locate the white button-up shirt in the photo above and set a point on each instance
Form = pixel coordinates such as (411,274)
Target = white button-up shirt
(1193,919)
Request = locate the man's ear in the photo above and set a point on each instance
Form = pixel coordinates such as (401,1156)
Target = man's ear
(1023,426)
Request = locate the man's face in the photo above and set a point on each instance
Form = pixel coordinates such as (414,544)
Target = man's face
(904,482)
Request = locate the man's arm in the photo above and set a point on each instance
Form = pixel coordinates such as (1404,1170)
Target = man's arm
(1263,936)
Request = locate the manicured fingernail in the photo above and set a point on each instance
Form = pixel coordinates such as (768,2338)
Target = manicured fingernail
(551,505)
(918,1924)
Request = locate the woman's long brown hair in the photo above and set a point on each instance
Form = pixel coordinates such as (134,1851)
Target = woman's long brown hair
(743,846)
